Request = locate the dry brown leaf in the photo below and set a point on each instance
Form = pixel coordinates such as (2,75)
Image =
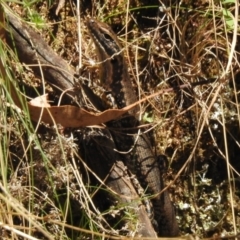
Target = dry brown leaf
(71,116)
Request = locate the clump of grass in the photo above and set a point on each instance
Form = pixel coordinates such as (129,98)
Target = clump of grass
(44,181)
(198,45)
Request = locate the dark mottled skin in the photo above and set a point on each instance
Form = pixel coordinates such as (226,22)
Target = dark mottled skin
(141,160)
(99,148)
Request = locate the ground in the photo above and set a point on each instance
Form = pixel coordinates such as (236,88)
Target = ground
(189,50)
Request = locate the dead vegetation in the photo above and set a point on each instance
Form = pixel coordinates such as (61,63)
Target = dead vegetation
(49,192)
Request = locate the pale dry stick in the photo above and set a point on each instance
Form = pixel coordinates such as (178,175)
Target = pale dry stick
(108,236)
(214,25)
(5,210)
(62,94)
(231,190)
(236,92)
(102,182)
(184,44)
(137,80)
(204,106)
(203,103)
(230,67)
(174,23)
(219,150)
(67,206)
(204,116)
(126,194)
(17,232)
(225,140)
(85,194)
(68,183)
(210,52)
(126,26)
(236,141)
(135,75)
(52,66)
(79,34)
(168,120)
(126,33)
(140,91)
(7,198)
(157,29)
(59,6)
(233,45)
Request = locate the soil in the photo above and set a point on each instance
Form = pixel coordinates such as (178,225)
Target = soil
(196,127)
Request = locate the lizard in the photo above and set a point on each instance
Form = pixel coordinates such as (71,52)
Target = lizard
(115,78)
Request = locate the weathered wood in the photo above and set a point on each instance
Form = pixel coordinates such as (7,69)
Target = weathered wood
(33,50)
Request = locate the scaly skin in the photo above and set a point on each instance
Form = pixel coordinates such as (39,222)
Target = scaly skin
(140,160)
